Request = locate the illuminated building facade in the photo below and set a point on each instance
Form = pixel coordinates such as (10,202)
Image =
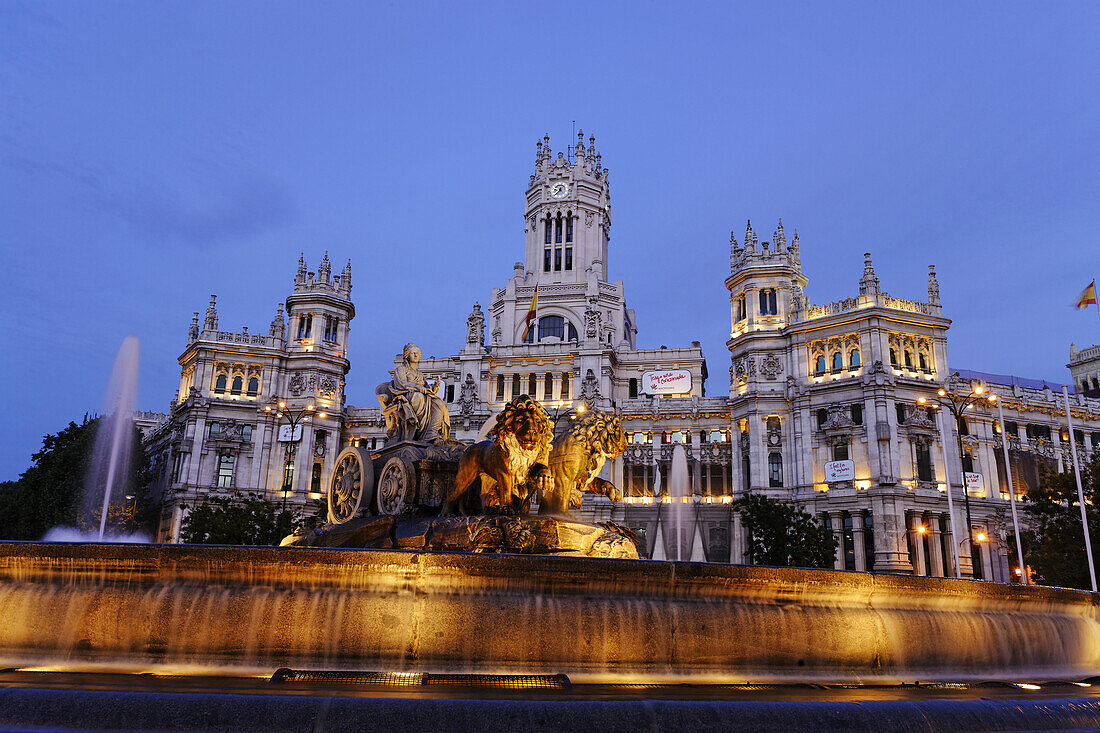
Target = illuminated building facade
(824,405)
(226,434)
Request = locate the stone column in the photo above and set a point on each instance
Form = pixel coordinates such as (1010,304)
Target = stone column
(836,523)
(857,540)
(916,541)
(891,546)
(935,546)
(737,540)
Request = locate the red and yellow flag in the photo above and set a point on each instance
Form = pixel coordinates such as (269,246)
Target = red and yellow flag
(1088,297)
(529,321)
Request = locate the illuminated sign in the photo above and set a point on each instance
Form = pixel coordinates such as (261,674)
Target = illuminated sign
(840,471)
(286,436)
(974,482)
(666,381)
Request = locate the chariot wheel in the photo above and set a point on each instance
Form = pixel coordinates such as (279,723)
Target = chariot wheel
(351,485)
(396,483)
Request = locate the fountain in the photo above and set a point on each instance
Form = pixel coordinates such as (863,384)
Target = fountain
(523,603)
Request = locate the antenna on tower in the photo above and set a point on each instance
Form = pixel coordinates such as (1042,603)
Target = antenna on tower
(571,150)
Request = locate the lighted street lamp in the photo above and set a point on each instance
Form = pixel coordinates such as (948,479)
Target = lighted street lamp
(294,419)
(958,403)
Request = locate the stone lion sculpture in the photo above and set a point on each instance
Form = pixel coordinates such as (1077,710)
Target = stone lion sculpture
(577,457)
(511,464)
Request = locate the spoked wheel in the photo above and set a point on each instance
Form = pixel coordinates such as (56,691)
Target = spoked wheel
(396,485)
(352,485)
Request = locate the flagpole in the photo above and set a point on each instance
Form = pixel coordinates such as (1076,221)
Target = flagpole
(1080,491)
(1012,495)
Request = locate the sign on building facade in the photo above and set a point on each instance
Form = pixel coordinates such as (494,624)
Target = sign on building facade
(666,381)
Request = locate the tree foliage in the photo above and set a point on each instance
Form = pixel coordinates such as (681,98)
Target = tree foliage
(249,519)
(1054,545)
(779,533)
(50,493)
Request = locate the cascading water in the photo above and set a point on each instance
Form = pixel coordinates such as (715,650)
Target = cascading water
(108,469)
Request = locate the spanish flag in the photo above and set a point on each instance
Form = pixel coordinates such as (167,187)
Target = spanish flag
(1087,298)
(529,321)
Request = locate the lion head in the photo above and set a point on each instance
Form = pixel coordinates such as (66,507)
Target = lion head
(526,419)
(600,432)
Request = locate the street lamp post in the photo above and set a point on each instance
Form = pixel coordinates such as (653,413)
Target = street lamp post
(957,404)
(294,419)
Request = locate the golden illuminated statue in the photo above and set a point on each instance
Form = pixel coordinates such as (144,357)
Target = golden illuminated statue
(413,410)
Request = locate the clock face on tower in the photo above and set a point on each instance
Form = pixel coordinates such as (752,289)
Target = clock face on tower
(558,190)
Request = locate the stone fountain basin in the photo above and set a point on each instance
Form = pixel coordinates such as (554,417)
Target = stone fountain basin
(243,610)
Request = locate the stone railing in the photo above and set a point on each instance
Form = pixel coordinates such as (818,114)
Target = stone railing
(1092,352)
(847,305)
(243,337)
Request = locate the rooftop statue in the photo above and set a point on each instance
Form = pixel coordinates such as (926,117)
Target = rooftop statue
(413,411)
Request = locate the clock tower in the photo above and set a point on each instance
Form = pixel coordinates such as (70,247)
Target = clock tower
(568,213)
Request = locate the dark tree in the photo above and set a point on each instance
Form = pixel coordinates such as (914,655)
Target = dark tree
(779,533)
(50,493)
(1054,545)
(243,520)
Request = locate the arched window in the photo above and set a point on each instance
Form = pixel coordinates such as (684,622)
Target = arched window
(246,433)
(922,361)
(838,361)
(908,360)
(238,385)
(893,358)
(775,469)
(219,384)
(533,385)
(819,365)
(569,228)
(301,326)
(548,240)
(773,307)
(572,331)
(253,387)
(853,358)
(551,326)
(557,232)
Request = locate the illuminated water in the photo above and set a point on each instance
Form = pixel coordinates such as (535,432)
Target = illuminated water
(252,610)
(110,462)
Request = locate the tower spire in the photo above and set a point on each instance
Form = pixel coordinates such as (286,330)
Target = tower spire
(300,276)
(868,284)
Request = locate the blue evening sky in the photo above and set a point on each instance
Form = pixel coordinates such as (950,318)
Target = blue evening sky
(152,153)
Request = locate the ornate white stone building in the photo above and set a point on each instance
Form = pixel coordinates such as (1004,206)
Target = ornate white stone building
(228,431)
(810,385)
